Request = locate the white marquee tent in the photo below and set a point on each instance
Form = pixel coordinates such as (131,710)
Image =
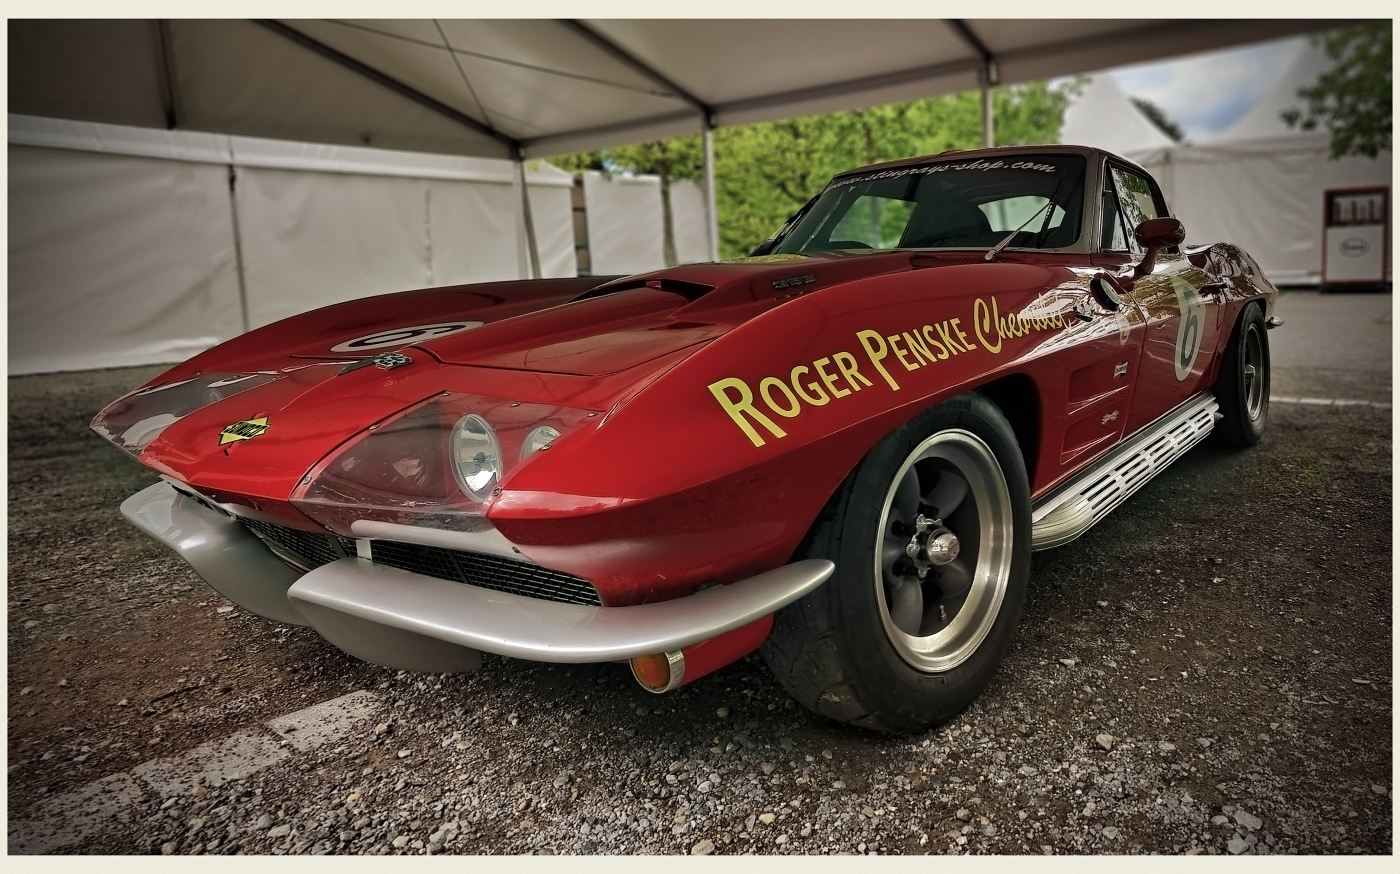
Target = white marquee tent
(468,89)
(1102,116)
(1260,183)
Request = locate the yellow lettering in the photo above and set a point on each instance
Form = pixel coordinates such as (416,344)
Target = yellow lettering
(846,362)
(766,387)
(984,322)
(917,346)
(961,336)
(867,338)
(743,404)
(820,400)
(948,342)
(900,352)
(927,331)
(830,379)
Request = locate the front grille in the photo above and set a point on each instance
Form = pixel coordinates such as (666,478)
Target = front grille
(303,548)
(486,571)
(309,551)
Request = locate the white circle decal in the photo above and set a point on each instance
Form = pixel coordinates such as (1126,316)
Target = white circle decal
(404,336)
(1188,331)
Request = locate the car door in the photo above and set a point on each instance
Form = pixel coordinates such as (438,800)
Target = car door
(1182,322)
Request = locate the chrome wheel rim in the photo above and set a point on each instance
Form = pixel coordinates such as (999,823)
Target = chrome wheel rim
(937,621)
(1253,373)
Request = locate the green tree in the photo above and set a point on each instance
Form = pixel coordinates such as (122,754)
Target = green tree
(765,172)
(1352,100)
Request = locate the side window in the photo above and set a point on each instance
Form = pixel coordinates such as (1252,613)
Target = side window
(878,222)
(1113,238)
(1134,201)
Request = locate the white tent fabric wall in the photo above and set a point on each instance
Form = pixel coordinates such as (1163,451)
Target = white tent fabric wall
(121,239)
(1264,195)
(143,272)
(688,222)
(625,233)
(552,209)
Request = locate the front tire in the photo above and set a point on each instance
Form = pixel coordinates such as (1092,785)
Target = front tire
(930,535)
(1243,386)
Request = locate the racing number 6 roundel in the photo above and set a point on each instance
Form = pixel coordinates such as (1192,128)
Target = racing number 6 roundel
(1188,331)
(403,336)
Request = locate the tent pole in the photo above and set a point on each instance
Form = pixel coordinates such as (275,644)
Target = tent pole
(711,215)
(530,241)
(238,249)
(989,78)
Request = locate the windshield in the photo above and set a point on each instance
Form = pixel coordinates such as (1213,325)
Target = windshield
(948,204)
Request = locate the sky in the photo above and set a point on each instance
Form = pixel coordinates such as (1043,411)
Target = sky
(1204,93)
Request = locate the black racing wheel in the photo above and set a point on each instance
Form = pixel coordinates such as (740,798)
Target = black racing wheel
(931,539)
(1243,386)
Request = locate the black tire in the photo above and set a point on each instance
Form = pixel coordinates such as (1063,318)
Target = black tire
(1243,386)
(839,650)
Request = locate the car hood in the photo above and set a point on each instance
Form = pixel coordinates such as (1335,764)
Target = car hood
(589,326)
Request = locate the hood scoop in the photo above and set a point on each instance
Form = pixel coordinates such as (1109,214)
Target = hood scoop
(691,291)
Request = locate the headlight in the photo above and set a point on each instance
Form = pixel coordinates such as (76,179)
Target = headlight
(476,457)
(434,465)
(538,439)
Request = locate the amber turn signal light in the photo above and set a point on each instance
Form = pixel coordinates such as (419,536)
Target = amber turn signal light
(659,672)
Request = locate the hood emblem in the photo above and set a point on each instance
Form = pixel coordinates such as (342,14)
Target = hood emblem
(805,279)
(384,361)
(244,430)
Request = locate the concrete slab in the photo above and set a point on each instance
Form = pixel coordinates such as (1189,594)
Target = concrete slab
(326,722)
(211,764)
(74,816)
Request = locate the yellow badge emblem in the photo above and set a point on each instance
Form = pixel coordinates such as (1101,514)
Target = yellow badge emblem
(245,430)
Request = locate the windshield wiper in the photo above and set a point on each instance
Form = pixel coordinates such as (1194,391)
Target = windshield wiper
(992,252)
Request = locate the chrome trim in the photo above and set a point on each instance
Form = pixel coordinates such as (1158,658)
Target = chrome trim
(220,549)
(484,539)
(355,604)
(1091,495)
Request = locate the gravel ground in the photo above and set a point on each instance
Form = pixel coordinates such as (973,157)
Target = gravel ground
(1207,671)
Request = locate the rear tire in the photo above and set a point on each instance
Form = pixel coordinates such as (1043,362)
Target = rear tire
(1243,386)
(878,646)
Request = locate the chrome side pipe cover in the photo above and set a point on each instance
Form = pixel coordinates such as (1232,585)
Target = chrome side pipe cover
(1089,496)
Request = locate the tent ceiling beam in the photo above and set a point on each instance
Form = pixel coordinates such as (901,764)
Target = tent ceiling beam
(384,79)
(640,66)
(771,101)
(974,42)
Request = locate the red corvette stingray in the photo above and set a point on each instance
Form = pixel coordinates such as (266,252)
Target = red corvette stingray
(841,449)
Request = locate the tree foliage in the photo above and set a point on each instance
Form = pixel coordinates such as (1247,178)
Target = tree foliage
(1351,100)
(1159,118)
(765,172)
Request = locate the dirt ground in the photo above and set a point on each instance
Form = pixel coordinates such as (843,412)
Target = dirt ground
(1229,630)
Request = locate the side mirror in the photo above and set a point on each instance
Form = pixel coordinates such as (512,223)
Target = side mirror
(1155,235)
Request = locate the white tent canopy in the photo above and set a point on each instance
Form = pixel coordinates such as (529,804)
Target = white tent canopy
(507,88)
(1265,118)
(1104,117)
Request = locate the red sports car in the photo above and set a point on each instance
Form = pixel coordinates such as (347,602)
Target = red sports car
(841,449)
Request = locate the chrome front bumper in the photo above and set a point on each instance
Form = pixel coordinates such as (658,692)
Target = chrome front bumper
(414,622)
